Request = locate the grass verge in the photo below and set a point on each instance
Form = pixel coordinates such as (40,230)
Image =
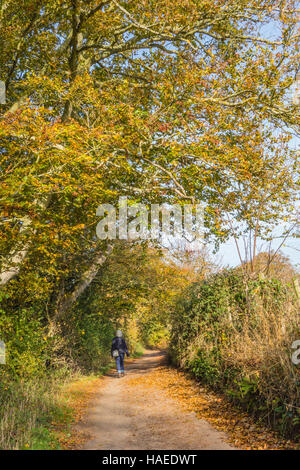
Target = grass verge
(38,415)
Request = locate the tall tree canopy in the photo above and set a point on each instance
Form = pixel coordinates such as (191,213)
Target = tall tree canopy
(155,100)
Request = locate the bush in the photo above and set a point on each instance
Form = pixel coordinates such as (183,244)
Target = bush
(155,334)
(235,335)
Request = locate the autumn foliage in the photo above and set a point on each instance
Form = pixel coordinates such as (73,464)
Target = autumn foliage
(169,101)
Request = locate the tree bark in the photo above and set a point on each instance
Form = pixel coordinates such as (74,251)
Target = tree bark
(16,257)
(86,279)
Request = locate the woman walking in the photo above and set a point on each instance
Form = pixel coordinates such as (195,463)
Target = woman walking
(118,350)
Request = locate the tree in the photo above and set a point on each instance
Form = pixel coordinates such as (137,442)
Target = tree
(106,97)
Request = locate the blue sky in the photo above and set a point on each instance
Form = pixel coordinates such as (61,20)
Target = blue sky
(229,257)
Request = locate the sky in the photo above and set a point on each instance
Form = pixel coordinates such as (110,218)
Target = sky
(228,256)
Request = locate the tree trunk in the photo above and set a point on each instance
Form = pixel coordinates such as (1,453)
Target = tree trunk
(16,257)
(86,279)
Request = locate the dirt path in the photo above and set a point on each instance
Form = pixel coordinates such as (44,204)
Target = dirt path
(127,415)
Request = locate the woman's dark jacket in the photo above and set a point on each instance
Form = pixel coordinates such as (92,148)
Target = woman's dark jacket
(119,344)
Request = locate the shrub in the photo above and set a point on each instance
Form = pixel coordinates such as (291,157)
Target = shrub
(235,334)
